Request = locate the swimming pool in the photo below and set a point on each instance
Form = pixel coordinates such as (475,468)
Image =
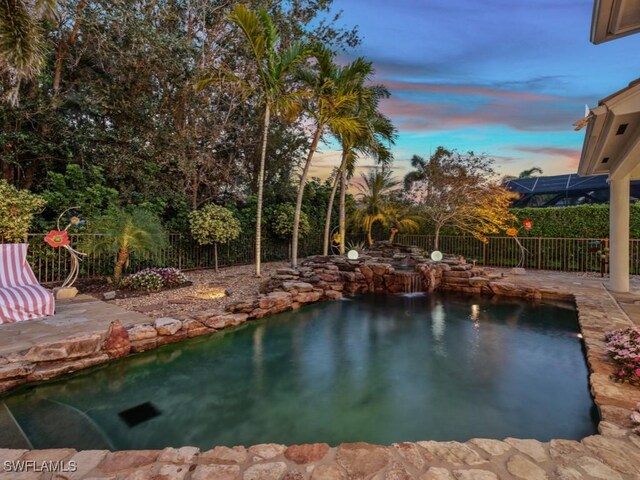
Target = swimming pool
(374,368)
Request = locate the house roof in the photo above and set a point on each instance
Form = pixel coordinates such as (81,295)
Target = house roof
(612,140)
(614,19)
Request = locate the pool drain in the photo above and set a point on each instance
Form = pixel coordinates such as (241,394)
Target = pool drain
(139,414)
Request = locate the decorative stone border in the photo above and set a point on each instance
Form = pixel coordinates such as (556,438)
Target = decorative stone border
(612,455)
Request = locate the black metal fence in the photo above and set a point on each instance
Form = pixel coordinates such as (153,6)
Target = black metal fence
(560,254)
(51,265)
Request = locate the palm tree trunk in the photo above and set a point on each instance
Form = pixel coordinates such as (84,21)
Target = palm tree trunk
(332,197)
(121,261)
(369,237)
(393,235)
(215,255)
(263,156)
(343,207)
(303,180)
(436,239)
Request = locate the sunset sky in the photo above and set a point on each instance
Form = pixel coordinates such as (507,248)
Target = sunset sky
(502,77)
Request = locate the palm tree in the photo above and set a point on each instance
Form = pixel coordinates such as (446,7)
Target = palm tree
(523,174)
(374,206)
(530,173)
(374,140)
(335,92)
(400,219)
(123,232)
(275,65)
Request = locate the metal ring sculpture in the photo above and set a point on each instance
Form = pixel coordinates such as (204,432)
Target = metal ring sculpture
(75,255)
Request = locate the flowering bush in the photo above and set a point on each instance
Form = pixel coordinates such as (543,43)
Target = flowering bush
(623,347)
(154,279)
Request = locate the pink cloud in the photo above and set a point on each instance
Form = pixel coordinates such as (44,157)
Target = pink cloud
(571,155)
(521,115)
(469,90)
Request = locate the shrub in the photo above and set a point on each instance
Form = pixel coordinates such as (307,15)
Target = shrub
(123,232)
(213,224)
(17,209)
(154,279)
(623,347)
(281,221)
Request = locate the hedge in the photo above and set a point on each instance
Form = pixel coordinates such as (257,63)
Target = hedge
(583,221)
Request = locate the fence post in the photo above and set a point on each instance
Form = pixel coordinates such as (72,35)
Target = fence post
(539,253)
(484,251)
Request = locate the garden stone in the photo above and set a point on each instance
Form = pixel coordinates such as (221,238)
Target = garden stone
(474,474)
(265,471)
(17,369)
(10,454)
(266,451)
(533,448)
(76,346)
(328,472)
(116,343)
(411,454)
(610,430)
(397,471)
(167,326)
(520,467)
(65,293)
(362,460)
(217,472)
(293,475)
(565,448)
(598,469)
(437,473)
(141,332)
(86,461)
(178,455)
(518,271)
(492,447)
(224,455)
(567,473)
(454,453)
(308,453)
(172,472)
(615,453)
(125,460)
(109,295)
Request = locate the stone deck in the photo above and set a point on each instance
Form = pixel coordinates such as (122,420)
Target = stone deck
(81,315)
(614,454)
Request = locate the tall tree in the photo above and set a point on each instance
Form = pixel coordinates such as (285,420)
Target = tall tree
(460,191)
(274,64)
(373,141)
(335,92)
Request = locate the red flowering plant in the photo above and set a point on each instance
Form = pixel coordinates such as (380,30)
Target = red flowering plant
(623,346)
(57,238)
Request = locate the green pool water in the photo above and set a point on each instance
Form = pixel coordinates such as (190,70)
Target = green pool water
(374,368)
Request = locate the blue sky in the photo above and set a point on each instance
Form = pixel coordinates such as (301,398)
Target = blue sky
(502,77)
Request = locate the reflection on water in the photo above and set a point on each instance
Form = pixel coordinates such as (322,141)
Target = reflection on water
(375,368)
